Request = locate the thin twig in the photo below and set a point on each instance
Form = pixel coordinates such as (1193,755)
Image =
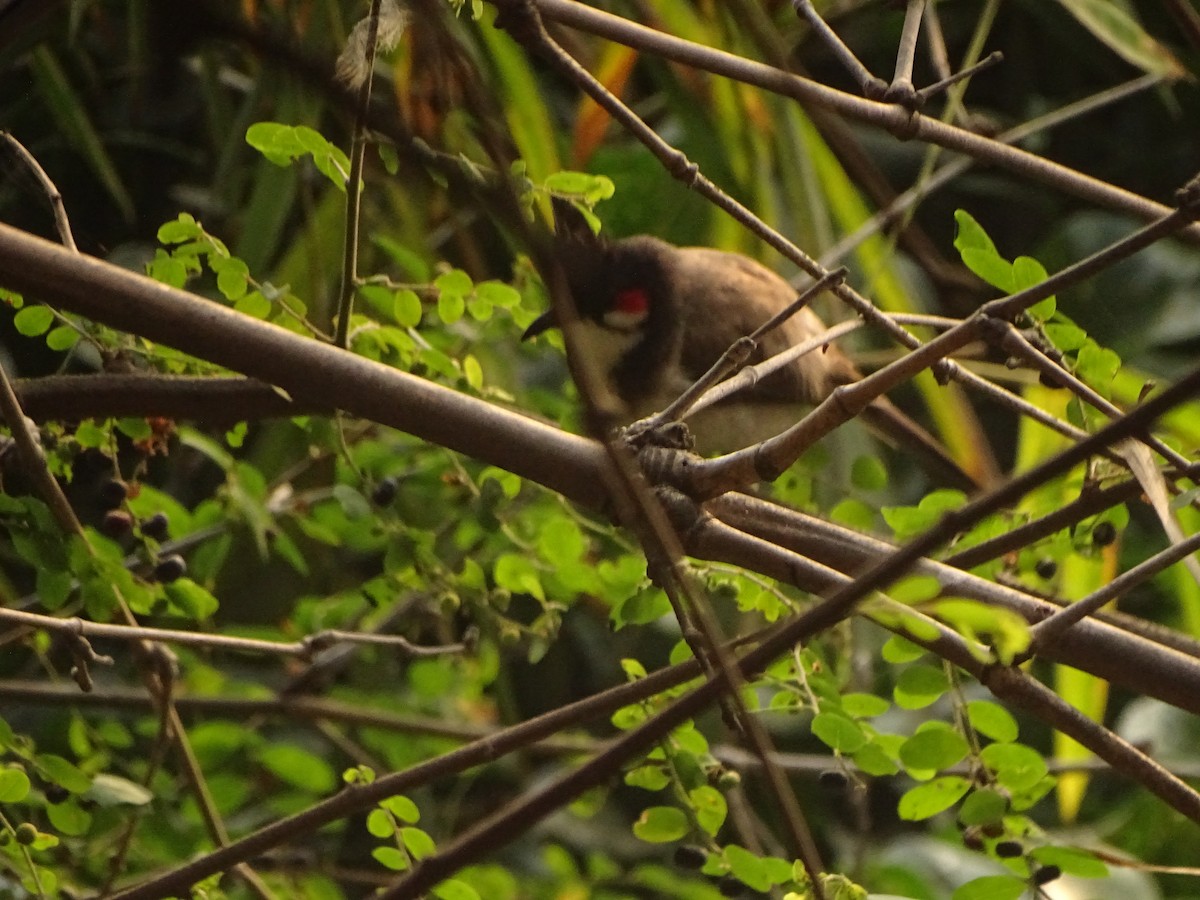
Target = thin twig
(354,184)
(302,649)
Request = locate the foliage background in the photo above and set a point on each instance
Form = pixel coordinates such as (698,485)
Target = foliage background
(138,112)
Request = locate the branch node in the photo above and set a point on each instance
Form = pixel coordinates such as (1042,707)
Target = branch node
(909,128)
(1187,198)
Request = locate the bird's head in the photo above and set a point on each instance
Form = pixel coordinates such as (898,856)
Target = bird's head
(620,285)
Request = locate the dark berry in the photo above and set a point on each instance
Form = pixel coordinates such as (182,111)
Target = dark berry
(169,568)
(993,830)
(113,493)
(1046,567)
(832,779)
(730,886)
(26,833)
(384,492)
(56,793)
(1009,849)
(1048,380)
(689,856)
(116,523)
(158,526)
(1104,534)
(1047,874)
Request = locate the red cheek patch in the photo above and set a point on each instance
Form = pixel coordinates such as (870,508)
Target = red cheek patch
(632,302)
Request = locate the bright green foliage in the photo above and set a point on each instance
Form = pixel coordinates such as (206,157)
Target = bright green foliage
(991,887)
(920,685)
(481,600)
(660,824)
(933,797)
(282,144)
(934,746)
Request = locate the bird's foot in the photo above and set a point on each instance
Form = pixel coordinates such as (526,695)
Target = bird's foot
(653,432)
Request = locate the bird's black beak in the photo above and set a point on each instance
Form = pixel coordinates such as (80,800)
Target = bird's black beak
(538,325)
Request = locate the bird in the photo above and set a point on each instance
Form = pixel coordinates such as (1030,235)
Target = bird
(654,317)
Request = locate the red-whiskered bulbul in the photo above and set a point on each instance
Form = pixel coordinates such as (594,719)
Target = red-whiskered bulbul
(654,317)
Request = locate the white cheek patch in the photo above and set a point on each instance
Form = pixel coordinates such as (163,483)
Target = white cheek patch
(606,346)
(624,320)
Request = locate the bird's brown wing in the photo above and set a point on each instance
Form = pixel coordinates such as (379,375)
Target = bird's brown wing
(736,295)
(727,296)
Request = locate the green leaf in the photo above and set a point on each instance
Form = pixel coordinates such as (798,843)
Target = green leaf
(838,732)
(661,824)
(509,483)
(417,842)
(233,276)
(450,307)
(648,777)
(897,650)
(406,308)
(874,760)
(402,808)
(473,372)
(709,807)
(640,608)
(927,800)
(983,807)
(979,254)
(182,228)
(34,320)
(1065,336)
(934,748)
(1097,367)
(14,785)
(253,304)
(497,293)
(915,589)
(1017,767)
(282,144)
(517,574)
(592,188)
(854,513)
(455,889)
(864,706)
(909,521)
(69,818)
(380,824)
(758,872)
(920,685)
(64,337)
(991,887)
(190,599)
(391,857)
(869,473)
(298,767)
(1028,272)
(992,720)
(63,773)
(1006,631)
(1072,861)
(560,541)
